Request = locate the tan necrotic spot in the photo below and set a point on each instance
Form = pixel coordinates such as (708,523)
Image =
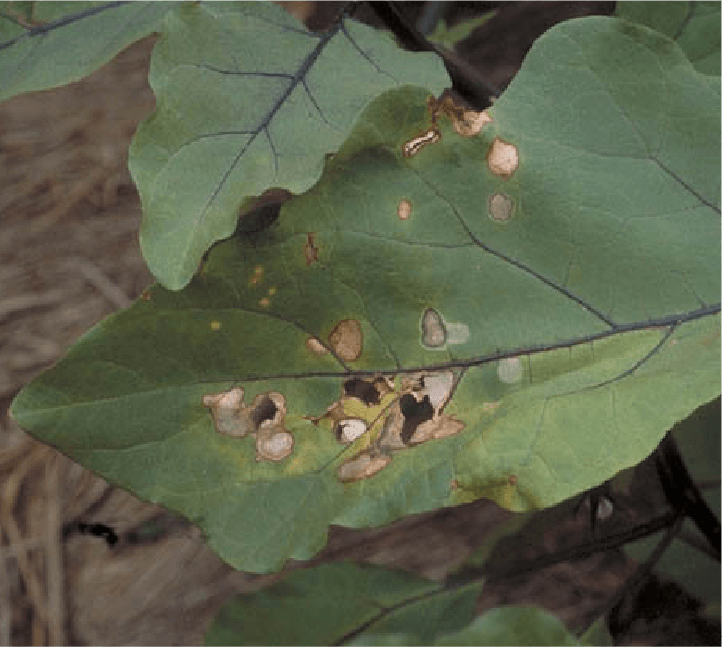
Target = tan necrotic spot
(404,210)
(272,446)
(470,123)
(264,302)
(363,466)
(226,411)
(502,158)
(501,207)
(314,345)
(413,146)
(433,330)
(346,340)
(263,419)
(349,430)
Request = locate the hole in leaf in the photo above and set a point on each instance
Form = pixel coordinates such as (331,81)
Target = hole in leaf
(364,391)
(264,410)
(414,413)
(349,430)
(413,146)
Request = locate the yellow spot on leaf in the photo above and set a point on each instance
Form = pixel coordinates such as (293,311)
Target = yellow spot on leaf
(257,275)
(215,325)
(264,302)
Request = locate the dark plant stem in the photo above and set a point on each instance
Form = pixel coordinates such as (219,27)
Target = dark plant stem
(615,608)
(580,551)
(467,82)
(684,495)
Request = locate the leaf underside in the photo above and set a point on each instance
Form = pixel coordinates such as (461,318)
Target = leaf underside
(459,355)
(248,100)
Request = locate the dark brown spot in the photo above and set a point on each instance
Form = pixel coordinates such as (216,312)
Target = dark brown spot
(414,413)
(264,410)
(364,391)
(310,249)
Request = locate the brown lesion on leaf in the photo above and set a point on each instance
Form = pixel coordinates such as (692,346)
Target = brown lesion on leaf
(502,158)
(263,419)
(363,466)
(310,249)
(346,340)
(433,329)
(415,144)
(470,122)
(414,416)
(466,122)
(501,207)
(315,346)
(403,211)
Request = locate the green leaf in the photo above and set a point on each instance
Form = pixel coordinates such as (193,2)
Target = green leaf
(86,36)
(695,26)
(513,626)
(247,99)
(460,356)
(341,602)
(450,36)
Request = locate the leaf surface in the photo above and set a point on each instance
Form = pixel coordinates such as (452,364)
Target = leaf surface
(344,603)
(695,26)
(64,41)
(426,354)
(247,99)
(355,604)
